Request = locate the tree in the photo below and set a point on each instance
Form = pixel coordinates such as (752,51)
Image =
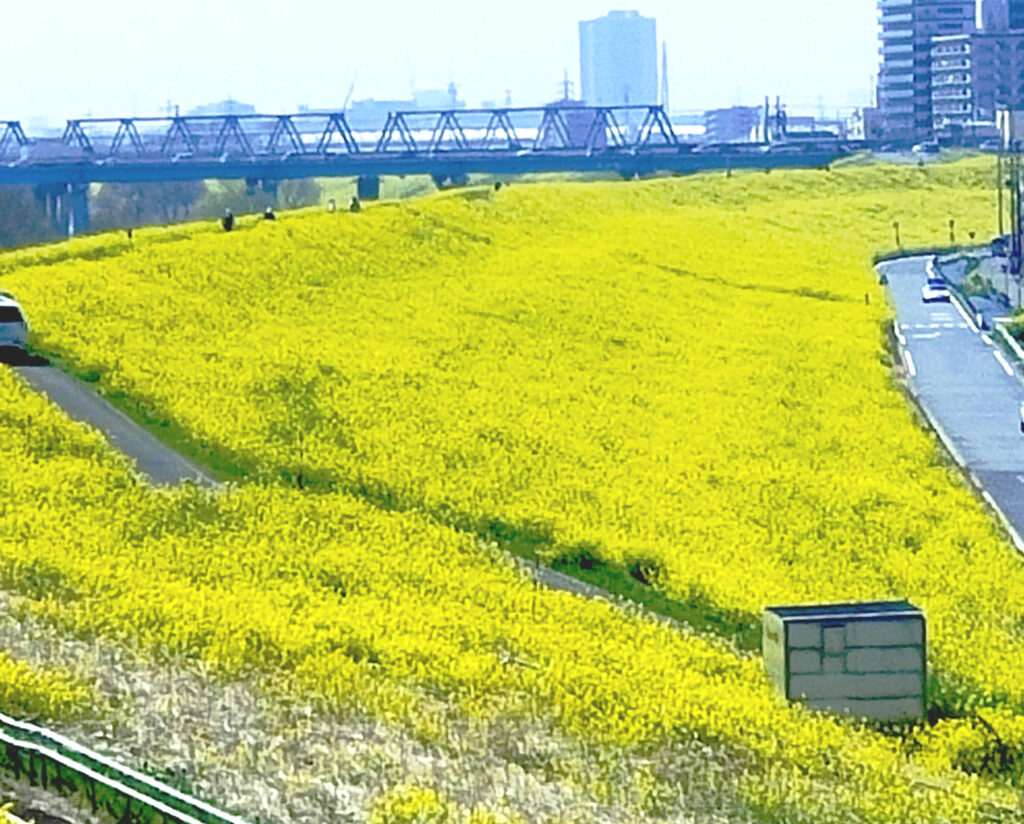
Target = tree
(124,205)
(293,194)
(23,219)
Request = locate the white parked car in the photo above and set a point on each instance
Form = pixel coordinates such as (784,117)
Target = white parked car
(13,326)
(935,291)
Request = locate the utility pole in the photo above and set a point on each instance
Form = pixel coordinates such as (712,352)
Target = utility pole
(1000,183)
(780,119)
(1015,211)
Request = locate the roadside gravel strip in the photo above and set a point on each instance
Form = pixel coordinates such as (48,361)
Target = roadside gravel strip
(153,458)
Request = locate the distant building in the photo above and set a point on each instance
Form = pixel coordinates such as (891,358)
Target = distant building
(737,123)
(581,124)
(689,126)
(222,108)
(371,115)
(975,75)
(438,98)
(904,80)
(1009,126)
(864,124)
(814,128)
(619,60)
(1002,15)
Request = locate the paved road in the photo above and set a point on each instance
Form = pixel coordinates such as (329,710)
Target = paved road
(967,385)
(79,400)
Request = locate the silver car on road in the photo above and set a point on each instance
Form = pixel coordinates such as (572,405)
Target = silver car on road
(13,326)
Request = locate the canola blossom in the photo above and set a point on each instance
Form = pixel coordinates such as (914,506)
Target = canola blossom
(684,377)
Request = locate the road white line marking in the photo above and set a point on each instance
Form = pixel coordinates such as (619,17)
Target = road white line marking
(1002,362)
(933,326)
(1020,479)
(899,334)
(987,340)
(949,326)
(904,326)
(965,316)
(927,336)
(910,363)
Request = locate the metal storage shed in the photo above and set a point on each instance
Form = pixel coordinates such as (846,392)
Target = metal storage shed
(863,659)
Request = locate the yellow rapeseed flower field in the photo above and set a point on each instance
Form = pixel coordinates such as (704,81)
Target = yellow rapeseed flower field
(686,379)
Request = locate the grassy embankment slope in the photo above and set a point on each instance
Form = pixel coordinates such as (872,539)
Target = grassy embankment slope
(685,380)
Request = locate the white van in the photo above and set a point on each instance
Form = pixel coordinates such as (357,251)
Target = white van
(13,327)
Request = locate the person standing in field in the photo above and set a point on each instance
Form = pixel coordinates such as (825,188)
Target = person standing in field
(228,221)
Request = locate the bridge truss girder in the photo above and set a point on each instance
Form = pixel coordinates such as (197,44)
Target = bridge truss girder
(209,136)
(336,124)
(430,132)
(12,135)
(571,128)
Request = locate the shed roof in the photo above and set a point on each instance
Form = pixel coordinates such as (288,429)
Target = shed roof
(859,611)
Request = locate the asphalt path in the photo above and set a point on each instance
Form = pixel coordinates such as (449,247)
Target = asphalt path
(968,387)
(153,458)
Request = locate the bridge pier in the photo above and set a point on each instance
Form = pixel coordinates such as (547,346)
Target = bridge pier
(78,208)
(368,187)
(66,205)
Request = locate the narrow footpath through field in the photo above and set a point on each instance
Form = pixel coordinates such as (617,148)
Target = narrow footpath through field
(155,459)
(966,384)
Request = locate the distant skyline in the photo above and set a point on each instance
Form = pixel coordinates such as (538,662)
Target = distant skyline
(66,58)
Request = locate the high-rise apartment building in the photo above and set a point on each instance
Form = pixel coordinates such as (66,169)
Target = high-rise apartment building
(619,60)
(976,75)
(1002,15)
(904,80)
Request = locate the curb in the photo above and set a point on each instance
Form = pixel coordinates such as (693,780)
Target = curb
(1010,340)
(972,479)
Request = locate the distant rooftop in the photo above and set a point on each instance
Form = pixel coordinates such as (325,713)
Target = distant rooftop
(224,107)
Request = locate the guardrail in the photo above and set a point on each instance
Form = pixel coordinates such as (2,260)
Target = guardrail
(52,761)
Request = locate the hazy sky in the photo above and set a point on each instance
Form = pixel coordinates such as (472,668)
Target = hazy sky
(62,58)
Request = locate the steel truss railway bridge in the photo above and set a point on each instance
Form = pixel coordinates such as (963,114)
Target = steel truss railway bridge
(446,144)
